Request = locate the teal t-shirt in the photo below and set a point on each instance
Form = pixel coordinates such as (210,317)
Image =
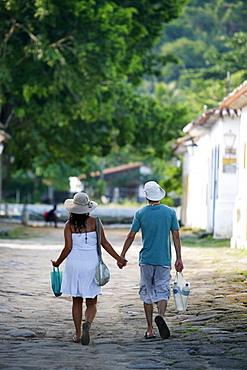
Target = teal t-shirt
(155,222)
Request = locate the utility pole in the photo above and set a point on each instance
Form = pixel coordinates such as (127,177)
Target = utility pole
(228,82)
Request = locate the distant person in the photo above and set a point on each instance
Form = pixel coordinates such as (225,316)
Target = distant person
(51,216)
(156,221)
(81,255)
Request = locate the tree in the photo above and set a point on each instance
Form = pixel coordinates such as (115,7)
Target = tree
(233,59)
(210,22)
(209,39)
(67,73)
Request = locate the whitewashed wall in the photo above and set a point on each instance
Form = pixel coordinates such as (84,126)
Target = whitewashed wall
(227,181)
(209,192)
(239,235)
(195,173)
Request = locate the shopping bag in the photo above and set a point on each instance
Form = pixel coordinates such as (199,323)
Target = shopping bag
(56,281)
(181,291)
(179,278)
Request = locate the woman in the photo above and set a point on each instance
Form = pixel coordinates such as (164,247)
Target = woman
(82,258)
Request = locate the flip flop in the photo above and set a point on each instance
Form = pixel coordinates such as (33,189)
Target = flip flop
(85,339)
(163,328)
(149,336)
(76,339)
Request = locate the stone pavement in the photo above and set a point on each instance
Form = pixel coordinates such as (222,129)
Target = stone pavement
(36,328)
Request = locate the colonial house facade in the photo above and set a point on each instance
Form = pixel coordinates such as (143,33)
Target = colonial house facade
(238,100)
(211,158)
(215,170)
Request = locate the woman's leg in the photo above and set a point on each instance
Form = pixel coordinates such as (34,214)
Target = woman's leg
(90,313)
(91,309)
(77,314)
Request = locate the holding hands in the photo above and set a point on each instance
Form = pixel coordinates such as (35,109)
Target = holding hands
(121,263)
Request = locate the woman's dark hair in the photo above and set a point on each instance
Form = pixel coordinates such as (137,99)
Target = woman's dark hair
(79,221)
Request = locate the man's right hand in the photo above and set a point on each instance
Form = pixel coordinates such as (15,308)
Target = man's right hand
(179,265)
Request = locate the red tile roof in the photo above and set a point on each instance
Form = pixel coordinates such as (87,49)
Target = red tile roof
(107,171)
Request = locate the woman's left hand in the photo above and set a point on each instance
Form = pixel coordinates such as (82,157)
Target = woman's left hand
(54,263)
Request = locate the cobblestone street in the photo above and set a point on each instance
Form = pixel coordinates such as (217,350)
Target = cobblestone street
(36,328)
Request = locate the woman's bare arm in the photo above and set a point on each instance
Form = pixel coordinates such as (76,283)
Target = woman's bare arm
(108,247)
(67,245)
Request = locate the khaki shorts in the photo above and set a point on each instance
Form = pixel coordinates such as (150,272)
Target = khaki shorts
(154,283)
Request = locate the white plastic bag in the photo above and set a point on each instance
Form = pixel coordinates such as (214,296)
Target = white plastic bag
(181,290)
(179,278)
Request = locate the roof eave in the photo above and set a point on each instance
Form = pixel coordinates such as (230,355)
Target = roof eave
(237,99)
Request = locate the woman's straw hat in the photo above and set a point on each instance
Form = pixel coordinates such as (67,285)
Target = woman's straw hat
(80,204)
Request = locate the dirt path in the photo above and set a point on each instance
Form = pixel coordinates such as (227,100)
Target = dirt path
(36,328)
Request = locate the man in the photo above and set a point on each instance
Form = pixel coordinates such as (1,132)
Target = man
(51,216)
(156,221)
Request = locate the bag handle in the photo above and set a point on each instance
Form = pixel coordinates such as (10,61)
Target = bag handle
(178,275)
(98,232)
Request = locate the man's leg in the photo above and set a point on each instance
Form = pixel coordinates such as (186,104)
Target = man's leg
(55,221)
(162,290)
(160,322)
(148,308)
(162,305)
(146,295)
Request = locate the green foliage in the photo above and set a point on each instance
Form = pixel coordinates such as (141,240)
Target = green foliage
(202,92)
(172,183)
(99,189)
(68,75)
(233,59)
(208,242)
(72,87)
(14,231)
(209,39)
(26,184)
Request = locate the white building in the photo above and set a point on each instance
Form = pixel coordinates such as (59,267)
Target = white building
(210,171)
(238,100)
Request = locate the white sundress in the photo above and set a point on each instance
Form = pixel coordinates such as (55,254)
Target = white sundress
(78,276)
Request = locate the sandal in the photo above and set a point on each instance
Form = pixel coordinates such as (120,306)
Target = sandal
(85,339)
(76,339)
(149,336)
(163,328)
